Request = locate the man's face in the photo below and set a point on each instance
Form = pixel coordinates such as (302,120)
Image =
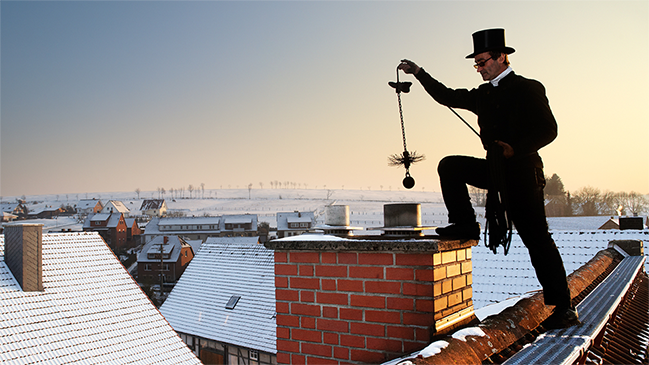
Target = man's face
(489,67)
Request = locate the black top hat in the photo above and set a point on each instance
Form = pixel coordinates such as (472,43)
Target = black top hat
(489,40)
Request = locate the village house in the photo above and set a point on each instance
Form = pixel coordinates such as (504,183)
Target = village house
(294,223)
(18,209)
(89,206)
(154,207)
(133,232)
(115,206)
(66,299)
(111,227)
(223,306)
(200,228)
(165,255)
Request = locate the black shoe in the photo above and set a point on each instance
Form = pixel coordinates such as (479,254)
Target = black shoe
(460,230)
(561,318)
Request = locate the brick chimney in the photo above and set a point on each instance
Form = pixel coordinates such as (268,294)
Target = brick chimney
(368,299)
(23,254)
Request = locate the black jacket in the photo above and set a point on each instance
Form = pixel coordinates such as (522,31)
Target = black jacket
(516,112)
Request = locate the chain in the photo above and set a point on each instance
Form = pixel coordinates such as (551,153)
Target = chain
(403,127)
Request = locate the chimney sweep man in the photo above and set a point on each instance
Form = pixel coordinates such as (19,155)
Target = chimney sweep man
(514,116)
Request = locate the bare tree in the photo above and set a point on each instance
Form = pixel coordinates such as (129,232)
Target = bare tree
(249,189)
(203,190)
(190,188)
(588,199)
(137,191)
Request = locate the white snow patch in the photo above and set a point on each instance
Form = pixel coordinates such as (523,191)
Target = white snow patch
(471,331)
(433,349)
(493,309)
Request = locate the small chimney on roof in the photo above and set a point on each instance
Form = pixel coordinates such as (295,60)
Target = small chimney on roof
(23,254)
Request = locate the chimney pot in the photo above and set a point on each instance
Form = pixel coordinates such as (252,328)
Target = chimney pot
(337,215)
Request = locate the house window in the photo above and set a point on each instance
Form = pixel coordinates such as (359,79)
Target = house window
(147,267)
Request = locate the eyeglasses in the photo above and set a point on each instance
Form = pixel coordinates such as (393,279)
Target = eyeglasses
(481,63)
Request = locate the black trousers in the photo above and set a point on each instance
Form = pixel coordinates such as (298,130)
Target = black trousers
(525,182)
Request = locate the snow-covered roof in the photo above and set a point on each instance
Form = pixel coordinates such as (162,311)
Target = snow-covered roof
(152,204)
(499,277)
(99,217)
(283,218)
(238,219)
(226,267)
(88,203)
(90,311)
(116,205)
(171,248)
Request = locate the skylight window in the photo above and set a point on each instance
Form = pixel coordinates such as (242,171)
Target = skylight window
(232,302)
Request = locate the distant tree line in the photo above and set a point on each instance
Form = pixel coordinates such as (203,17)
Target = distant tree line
(590,201)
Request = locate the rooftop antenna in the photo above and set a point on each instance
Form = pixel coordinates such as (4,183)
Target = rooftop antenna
(406,158)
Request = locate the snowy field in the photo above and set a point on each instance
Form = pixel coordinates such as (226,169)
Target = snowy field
(366,206)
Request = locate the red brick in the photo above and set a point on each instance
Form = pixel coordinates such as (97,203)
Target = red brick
(358,328)
(330,312)
(333,298)
(424,305)
(350,285)
(307,322)
(306,335)
(368,272)
(283,332)
(347,258)
(382,316)
(333,325)
(418,319)
(352,341)
(283,358)
(412,259)
(367,301)
(422,335)
(307,296)
(424,274)
(281,307)
(298,359)
(289,321)
(305,309)
(305,283)
(328,257)
(331,271)
(384,287)
(351,314)
(306,270)
(368,357)
(310,360)
(285,269)
(281,256)
(397,273)
(328,284)
(288,346)
(406,333)
(316,349)
(281,282)
(400,303)
(288,295)
(305,257)
(341,353)
(375,258)
(419,290)
(383,344)
(330,338)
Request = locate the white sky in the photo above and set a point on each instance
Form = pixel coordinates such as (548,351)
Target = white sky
(114,96)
